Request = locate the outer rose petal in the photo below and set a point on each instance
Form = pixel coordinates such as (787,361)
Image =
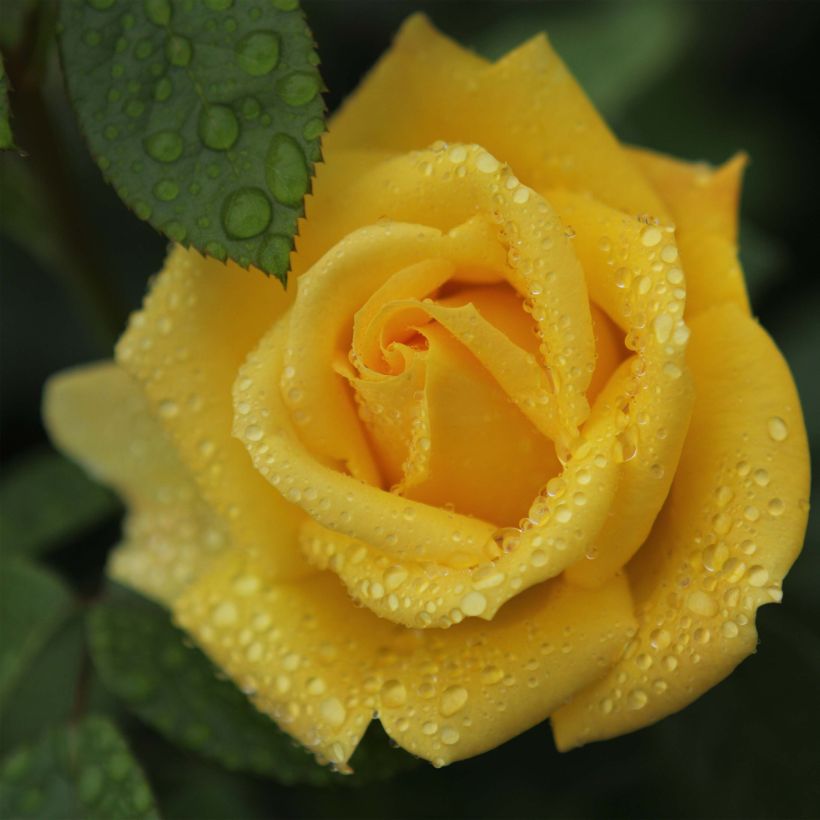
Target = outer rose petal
(730,530)
(526,109)
(703,202)
(99,416)
(322,668)
(199,310)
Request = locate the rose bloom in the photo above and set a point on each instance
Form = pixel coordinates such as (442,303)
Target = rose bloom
(510,447)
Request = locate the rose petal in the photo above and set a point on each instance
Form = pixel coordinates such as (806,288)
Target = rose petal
(199,310)
(322,668)
(476,685)
(732,527)
(632,271)
(445,188)
(486,458)
(430,594)
(526,109)
(99,416)
(703,201)
(300,650)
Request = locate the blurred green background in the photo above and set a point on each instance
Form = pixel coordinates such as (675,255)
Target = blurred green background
(700,80)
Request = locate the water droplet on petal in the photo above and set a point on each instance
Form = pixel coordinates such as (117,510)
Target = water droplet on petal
(453,699)
(778,431)
(393,693)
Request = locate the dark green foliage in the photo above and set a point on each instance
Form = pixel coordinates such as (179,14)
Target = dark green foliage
(204,116)
(45,500)
(83,771)
(171,685)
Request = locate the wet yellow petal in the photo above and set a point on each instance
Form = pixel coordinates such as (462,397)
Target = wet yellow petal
(486,458)
(703,202)
(301,649)
(526,109)
(632,272)
(446,188)
(99,416)
(185,347)
(459,692)
(563,523)
(322,668)
(332,498)
(730,530)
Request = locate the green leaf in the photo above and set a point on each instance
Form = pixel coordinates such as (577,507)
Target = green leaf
(173,686)
(45,500)
(6,140)
(205,116)
(33,602)
(45,695)
(84,771)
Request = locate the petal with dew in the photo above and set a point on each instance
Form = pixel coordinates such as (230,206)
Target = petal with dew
(703,202)
(563,523)
(631,272)
(732,527)
(332,498)
(99,416)
(456,693)
(322,669)
(486,458)
(446,188)
(300,649)
(428,88)
(199,321)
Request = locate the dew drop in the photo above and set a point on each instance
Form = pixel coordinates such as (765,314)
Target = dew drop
(730,629)
(178,50)
(164,146)
(758,576)
(449,736)
(453,699)
(218,127)
(175,231)
(701,603)
(313,128)
(474,603)
(491,675)
(651,236)
(393,693)
(637,699)
(246,213)
(158,12)
(166,190)
(298,87)
(332,710)
(778,431)
(163,89)
(286,171)
(776,507)
(258,53)
(225,614)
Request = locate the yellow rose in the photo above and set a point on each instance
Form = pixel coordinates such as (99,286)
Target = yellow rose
(511,447)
